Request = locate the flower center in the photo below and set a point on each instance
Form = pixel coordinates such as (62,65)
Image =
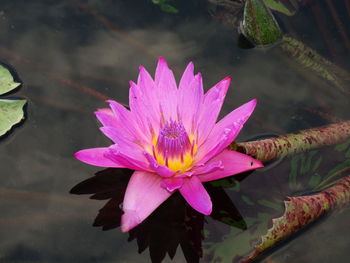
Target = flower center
(173,147)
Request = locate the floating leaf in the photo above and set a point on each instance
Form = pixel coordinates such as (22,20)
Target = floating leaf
(11,113)
(6,81)
(259,25)
(302,210)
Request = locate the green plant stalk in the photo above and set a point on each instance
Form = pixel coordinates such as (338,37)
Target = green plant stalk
(300,211)
(329,181)
(272,148)
(313,61)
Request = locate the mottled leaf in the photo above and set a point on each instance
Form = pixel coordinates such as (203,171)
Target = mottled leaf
(302,141)
(259,24)
(300,211)
(11,113)
(6,81)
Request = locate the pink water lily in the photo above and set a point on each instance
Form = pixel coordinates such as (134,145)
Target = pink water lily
(171,139)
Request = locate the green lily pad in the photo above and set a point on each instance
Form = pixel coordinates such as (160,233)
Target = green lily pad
(6,81)
(11,113)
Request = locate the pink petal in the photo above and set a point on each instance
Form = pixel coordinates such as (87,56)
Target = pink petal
(106,117)
(225,131)
(145,80)
(207,168)
(190,102)
(96,156)
(126,144)
(233,163)
(128,157)
(127,123)
(171,184)
(212,104)
(143,195)
(161,170)
(187,77)
(142,106)
(167,91)
(195,194)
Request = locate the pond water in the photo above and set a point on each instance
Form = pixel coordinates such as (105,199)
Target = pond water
(73,55)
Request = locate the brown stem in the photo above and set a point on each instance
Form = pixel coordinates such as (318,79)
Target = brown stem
(268,149)
(339,24)
(324,29)
(347,6)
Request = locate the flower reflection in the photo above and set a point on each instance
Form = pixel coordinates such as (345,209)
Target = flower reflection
(174,224)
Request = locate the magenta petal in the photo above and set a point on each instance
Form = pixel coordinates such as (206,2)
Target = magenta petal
(96,156)
(171,184)
(187,77)
(225,131)
(208,168)
(126,122)
(128,157)
(233,163)
(145,80)
(167,91)
(164,75)
(125,143)
(143,195)
(106,117)
(195,194)
(212,104)
(190,102)
(161,170)
(142,106)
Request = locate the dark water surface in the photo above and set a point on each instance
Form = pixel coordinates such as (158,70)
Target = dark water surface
(72,55)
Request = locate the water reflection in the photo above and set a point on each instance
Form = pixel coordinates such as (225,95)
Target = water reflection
(173,224)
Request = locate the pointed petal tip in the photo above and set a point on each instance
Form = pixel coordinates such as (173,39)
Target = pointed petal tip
(132,83)
(224,83)
(190,66)
(209,212)
(198,75)
(254,101)
(162,59)
(76,155)
(95,156)
(256,164)
(82,155)
(111,102)
(129,220)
